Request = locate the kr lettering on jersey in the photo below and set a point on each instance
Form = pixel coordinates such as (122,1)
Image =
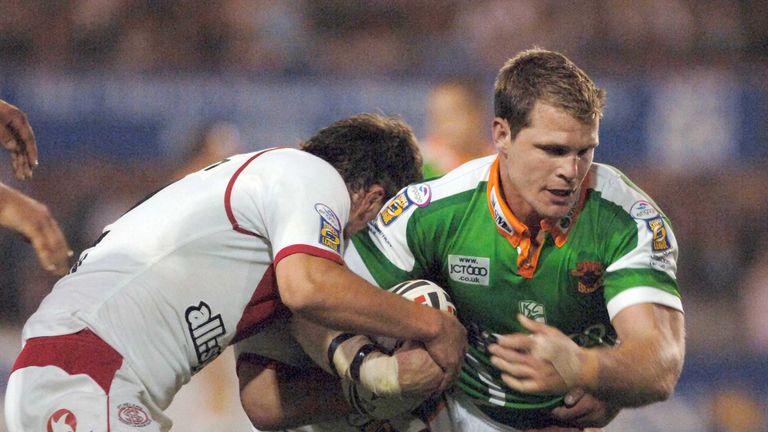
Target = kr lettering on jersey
(204,330)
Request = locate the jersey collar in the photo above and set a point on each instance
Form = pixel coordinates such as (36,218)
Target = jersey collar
(516,231)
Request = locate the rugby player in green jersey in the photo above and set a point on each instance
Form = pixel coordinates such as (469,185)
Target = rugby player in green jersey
(562,270)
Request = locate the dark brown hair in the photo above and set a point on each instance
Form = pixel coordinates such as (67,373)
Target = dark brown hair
(369,149)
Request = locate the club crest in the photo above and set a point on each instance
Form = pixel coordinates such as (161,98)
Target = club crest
(589,275)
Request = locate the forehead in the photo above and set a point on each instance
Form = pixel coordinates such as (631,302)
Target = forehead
(551,124)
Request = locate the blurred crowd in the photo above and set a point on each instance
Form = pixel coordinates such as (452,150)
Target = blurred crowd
(374,37)
(719,215)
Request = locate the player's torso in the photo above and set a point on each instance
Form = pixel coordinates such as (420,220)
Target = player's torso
(173,281)
(457,240)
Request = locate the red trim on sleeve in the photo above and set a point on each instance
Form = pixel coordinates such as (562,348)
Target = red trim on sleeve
(228,194)
(309,250)
(77,353)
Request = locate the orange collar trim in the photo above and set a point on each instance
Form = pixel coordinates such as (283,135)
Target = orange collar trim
(516,231)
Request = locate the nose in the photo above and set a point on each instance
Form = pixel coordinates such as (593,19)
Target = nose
(569,169)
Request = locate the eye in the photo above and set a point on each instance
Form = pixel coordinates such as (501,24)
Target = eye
(555,150)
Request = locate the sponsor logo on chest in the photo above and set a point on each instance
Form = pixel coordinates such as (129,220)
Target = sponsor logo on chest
(204,330)
(469,269)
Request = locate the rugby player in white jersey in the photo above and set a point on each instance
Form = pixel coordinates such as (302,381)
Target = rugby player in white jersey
(209,260)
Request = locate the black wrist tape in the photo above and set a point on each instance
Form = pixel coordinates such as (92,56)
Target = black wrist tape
(354,368)
(338,340)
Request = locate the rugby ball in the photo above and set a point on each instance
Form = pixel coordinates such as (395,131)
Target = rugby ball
(423,292)
(386,407)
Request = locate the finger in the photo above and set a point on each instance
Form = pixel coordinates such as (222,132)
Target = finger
(515,341)
(573,396)
(523,385)
(568,414)
(52,248)
(517,370)
(511,355)
(531,325)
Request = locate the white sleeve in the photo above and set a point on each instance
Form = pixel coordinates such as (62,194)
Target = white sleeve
(296,200)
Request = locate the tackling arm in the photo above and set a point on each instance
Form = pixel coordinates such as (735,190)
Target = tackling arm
(410,370)
(327,293)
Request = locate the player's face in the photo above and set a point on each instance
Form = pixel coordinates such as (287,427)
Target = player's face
(542,168)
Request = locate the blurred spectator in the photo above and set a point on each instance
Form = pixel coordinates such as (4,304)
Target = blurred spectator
(458,126)
(374,37)
(208,144)
(734,410)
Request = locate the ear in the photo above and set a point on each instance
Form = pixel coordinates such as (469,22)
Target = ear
(373,199)
(501,134)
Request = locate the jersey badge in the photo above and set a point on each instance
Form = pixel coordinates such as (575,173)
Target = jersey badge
(643,210)
(133,415)
(330,228)
(659,231)
(589,275)
(62,421)
(469,270)
(419,194)
(533,310)
(204,330)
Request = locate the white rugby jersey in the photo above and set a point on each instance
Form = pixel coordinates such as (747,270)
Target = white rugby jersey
(191,269)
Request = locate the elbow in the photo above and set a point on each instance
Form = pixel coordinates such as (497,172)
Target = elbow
(300,281)
(265,414)
(301,298)
(665,383)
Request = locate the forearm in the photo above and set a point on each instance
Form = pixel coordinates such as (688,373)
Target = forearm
(640,370)
(284,397)
(335,297)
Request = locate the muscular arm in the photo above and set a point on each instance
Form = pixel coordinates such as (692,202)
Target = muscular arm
(329,294)
(643,368)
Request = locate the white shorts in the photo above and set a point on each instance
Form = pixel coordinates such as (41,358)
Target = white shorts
(77,382)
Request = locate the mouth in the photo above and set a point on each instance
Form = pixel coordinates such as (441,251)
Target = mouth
(562,193)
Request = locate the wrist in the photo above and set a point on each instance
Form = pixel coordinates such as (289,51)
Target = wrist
(589,364)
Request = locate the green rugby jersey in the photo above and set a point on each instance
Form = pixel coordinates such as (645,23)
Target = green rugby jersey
(613,250)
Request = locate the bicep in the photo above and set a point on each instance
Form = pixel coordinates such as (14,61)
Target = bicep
(651,322)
